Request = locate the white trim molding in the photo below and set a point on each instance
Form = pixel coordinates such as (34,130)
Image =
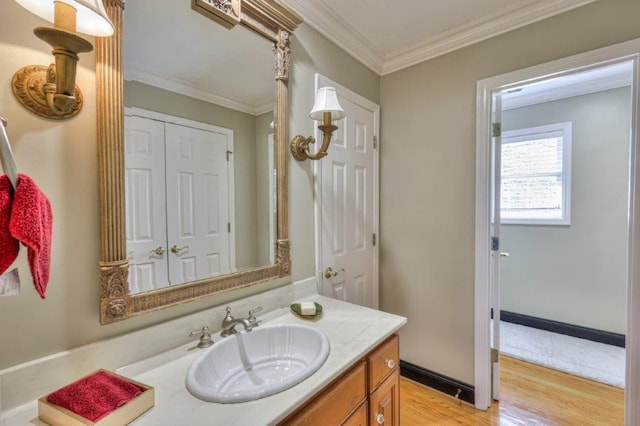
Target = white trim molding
(182,88)
(335,28)
(624,52)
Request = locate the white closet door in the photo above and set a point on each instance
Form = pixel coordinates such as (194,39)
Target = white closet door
(197,203)
(145,204)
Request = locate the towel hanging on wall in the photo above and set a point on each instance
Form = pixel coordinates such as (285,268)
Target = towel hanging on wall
(31,223)
(9,246)
(25,216)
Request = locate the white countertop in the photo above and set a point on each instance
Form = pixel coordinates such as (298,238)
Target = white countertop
(352,331)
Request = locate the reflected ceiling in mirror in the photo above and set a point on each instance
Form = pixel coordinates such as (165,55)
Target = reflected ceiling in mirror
(177,49)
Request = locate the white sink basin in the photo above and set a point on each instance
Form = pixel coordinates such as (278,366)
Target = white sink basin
(251,365)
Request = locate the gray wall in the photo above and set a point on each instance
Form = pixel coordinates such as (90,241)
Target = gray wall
(428,176)
(61,156)
(578,273)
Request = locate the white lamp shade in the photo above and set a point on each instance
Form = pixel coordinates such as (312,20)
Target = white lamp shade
(327,101)
(91,19)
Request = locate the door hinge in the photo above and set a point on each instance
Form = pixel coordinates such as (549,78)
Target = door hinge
(495,355)
(496,130)
(374,239)
(495,243)
(375,142)
(229,227)
(229,154)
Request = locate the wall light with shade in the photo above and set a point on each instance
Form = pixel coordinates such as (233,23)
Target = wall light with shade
(51,91)
(326,108)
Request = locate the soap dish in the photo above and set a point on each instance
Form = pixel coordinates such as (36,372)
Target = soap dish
(295,308)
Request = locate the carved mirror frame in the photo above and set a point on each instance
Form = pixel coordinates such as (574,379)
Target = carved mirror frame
(270,20)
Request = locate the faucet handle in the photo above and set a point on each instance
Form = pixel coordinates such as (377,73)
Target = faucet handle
(252,317)
(205,337)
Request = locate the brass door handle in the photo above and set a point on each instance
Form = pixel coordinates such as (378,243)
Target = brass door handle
(175,249)
(330,273)
(158,251)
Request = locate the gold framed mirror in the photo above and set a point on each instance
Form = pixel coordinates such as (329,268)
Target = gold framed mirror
(270,20)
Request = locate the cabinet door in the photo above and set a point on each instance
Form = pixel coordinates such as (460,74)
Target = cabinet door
(359,417)
(384,403)
(334,403)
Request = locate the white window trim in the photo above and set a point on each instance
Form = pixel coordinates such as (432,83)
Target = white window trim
(524,134)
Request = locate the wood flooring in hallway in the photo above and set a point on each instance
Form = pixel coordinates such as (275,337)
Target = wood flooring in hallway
(531,396)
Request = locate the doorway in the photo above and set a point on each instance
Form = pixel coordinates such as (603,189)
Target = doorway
(564,179)
(625,52)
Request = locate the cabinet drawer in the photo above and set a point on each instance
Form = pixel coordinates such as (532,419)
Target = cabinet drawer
(382,361)
(335,402)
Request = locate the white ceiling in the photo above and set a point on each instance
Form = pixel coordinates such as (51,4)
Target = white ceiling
(388,36)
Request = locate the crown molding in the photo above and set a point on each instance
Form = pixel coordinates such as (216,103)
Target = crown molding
(324,20)
(479,30)
(337,30)
(146,77)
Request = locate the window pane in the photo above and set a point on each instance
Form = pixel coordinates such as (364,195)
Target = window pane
(532,197)
(537,156)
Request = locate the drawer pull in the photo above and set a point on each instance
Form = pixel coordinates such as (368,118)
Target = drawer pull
(390,363)
(380,419)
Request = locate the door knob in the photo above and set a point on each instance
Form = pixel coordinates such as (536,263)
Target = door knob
(502,254)
(158,251)
(175,249)
(330,273)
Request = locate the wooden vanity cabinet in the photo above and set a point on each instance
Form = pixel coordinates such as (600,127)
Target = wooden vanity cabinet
(367,394)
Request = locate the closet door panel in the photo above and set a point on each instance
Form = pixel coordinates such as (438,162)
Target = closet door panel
(145,204)
(197,203)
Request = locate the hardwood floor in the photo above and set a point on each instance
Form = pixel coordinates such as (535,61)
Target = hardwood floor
(531,396)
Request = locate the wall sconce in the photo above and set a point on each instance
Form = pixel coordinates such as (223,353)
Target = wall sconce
(326,108)
(51,92)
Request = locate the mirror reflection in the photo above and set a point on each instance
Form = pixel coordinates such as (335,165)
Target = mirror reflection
(199,148)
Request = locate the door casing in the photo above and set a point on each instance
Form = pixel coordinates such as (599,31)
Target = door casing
(622,52)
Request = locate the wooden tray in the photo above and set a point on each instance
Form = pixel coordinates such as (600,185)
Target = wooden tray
(56,415)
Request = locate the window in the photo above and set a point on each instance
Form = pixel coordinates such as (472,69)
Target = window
(536,175)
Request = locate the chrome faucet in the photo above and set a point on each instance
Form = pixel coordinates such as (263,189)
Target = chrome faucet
(229,324)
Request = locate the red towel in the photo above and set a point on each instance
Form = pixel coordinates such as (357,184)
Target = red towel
(95,396)
(31,223)
(9,246)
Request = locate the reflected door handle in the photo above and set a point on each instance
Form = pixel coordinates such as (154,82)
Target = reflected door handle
(501,254)
(158,251)
(330,273)
(175,249)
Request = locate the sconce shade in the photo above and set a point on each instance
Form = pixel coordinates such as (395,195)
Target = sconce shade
(91,18)
(327,101)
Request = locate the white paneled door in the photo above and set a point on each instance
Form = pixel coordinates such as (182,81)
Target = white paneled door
(197,203)
(179,200)
(348,203)
(145,204)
